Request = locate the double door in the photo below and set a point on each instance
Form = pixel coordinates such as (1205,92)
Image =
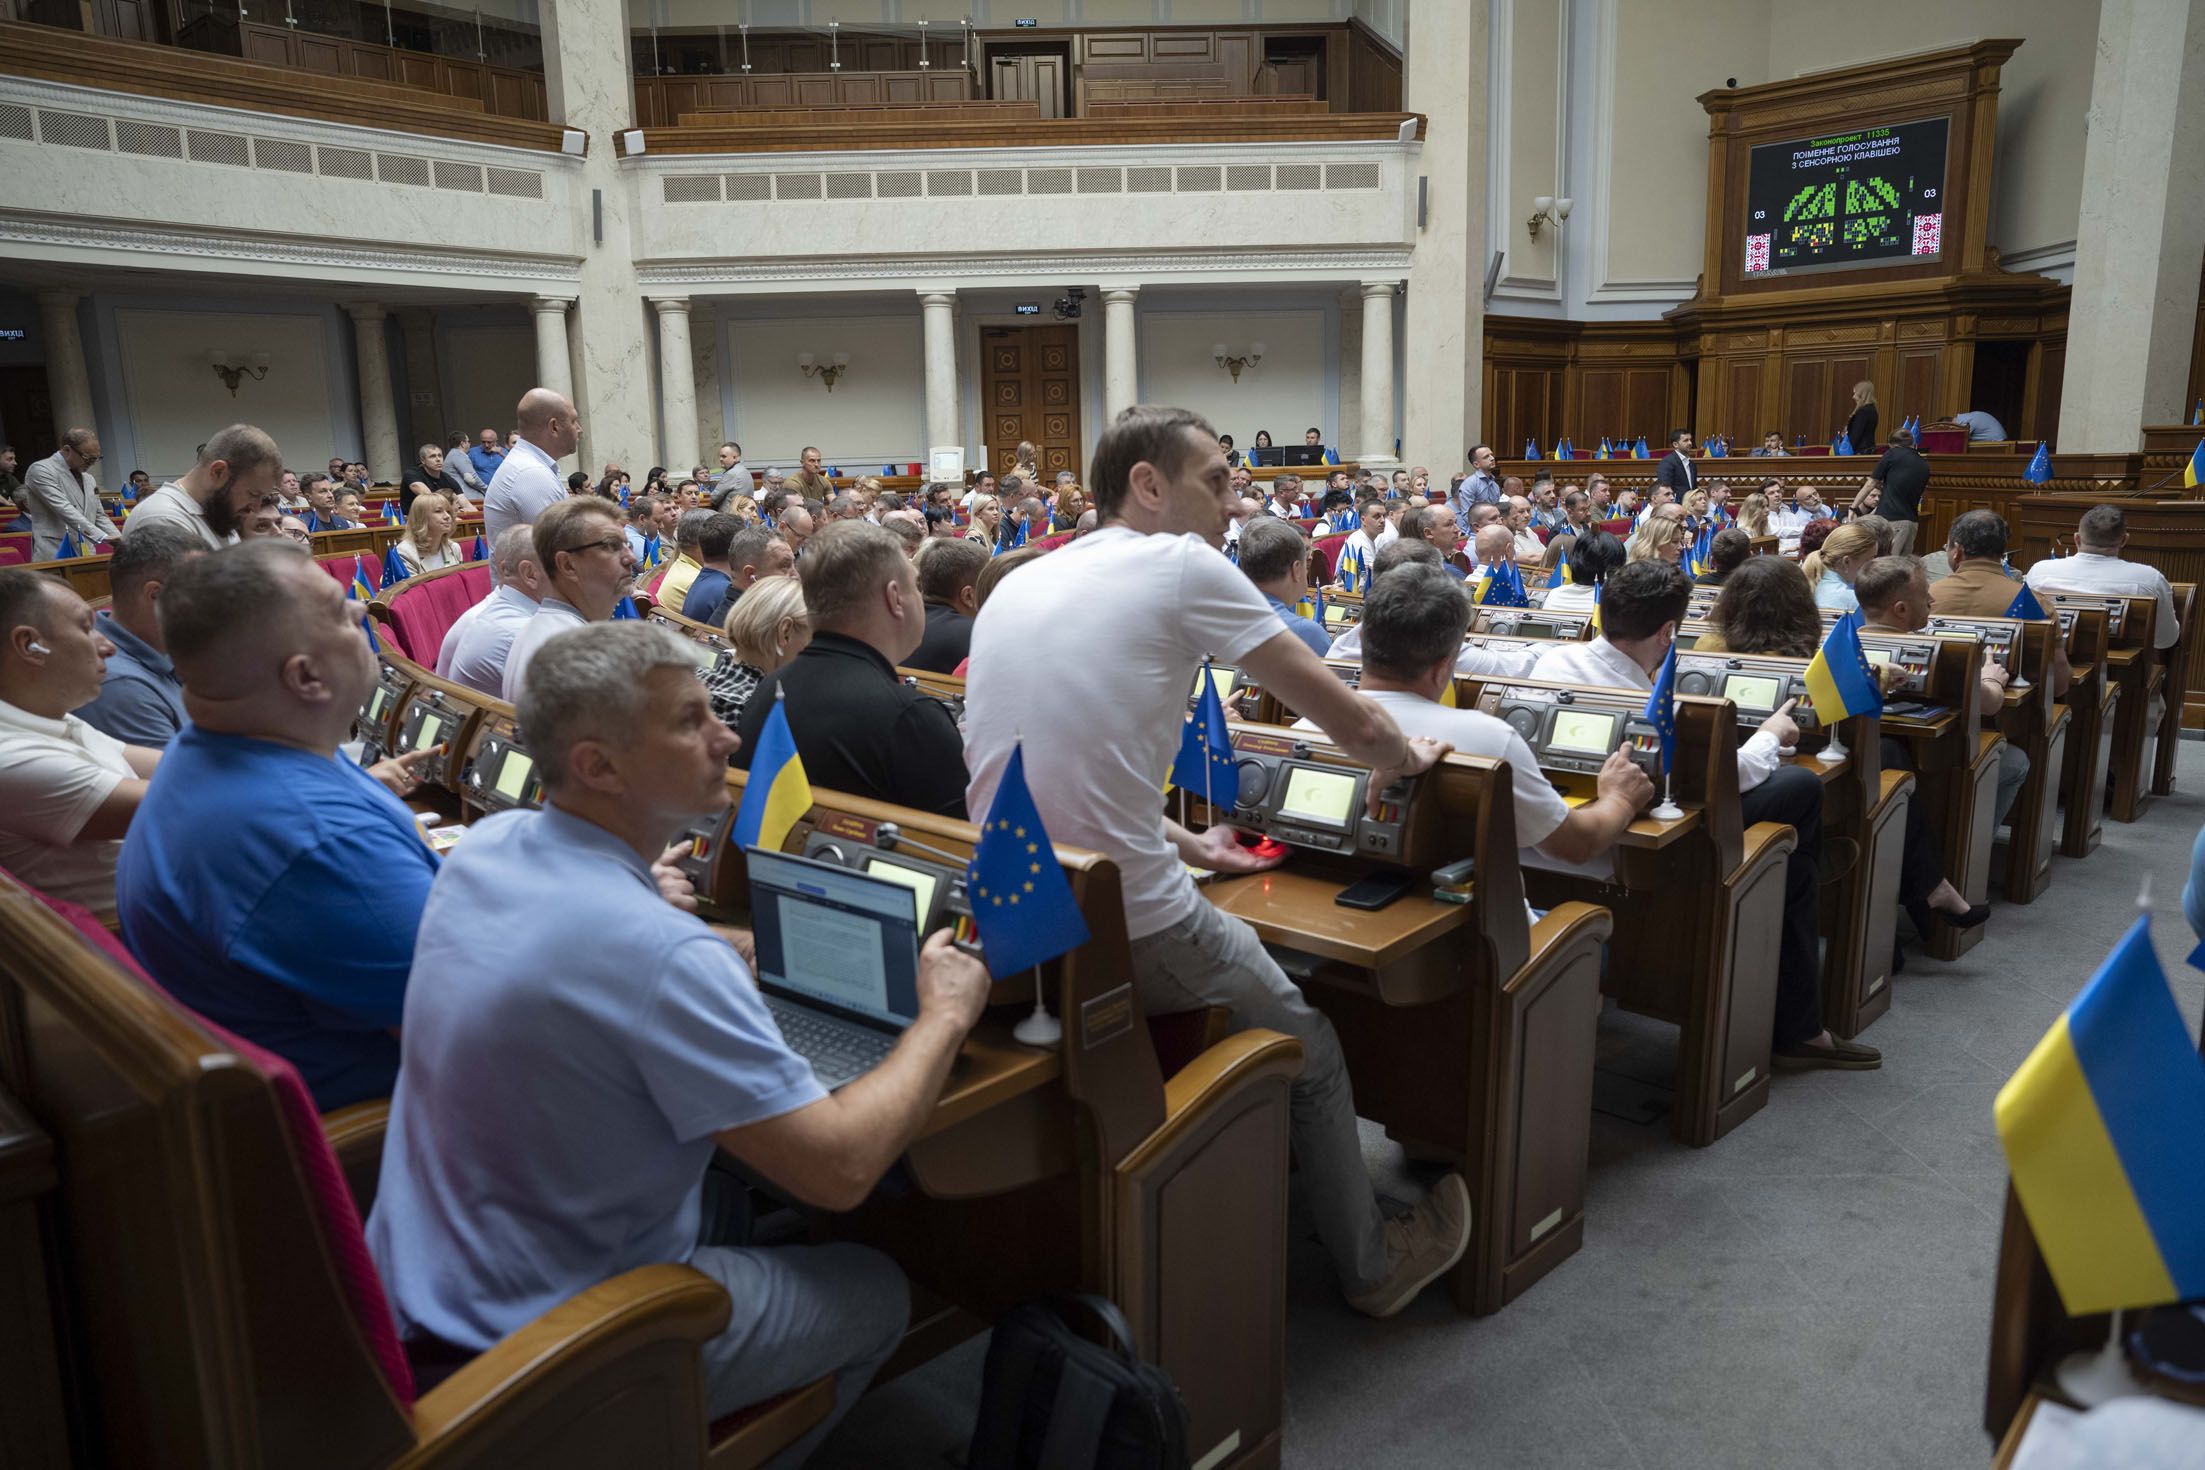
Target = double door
(1030,381)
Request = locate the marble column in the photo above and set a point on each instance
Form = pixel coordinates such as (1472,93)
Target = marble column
(939,312)
(677,383)
(1374,444)
(1446,318)
(553,368)
(1121,370)
(66,377)
(588,85)
(378,414)
(2141,231)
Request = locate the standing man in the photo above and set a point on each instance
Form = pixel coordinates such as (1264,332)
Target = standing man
(527,481)
(1099,734)
(1901,475)
(587,570)
(141,700)
(484,456)
(1675,471)
(64,499)
(237,470)
(735,477)
(1477,488)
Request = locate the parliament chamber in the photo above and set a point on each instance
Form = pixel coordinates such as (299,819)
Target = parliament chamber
(890,734)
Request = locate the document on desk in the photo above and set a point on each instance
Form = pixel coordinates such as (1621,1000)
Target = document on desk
(2138,1433)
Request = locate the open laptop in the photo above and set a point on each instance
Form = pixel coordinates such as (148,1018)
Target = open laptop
(838,960)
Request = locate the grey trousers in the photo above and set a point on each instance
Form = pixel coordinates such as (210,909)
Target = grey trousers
(1209,958)
(1902,537)
(801,1313)
(2013,769)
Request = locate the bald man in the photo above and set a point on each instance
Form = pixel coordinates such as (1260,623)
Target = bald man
(528,481)
(474,648)
(1493,545)
(268,882)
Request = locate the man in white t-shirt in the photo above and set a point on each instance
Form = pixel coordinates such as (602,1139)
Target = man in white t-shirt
(1412,627)
(1360,550)
(1099,733)
(67,791)
(2098,569)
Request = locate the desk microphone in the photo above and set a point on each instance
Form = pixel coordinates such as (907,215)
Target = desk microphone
(888,837)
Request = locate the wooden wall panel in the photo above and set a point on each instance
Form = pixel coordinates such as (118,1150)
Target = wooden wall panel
(1741,418)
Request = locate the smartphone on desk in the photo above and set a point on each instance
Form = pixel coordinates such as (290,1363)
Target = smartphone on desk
(1376,890)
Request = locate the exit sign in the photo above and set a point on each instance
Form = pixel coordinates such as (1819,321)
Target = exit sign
(1025,25)
(1028,308)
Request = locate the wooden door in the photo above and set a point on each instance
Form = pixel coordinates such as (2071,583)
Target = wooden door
(1029,77)
(1030,381)
(27,414)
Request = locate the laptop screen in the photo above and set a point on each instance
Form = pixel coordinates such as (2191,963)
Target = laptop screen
(834,937)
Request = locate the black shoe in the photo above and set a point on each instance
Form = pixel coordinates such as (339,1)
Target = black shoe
(1837,1054)
(1925,917)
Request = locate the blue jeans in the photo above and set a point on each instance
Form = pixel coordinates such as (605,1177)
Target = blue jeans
(801,1313)
(1210,958)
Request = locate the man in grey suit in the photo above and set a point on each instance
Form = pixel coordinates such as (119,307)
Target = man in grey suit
(64,499)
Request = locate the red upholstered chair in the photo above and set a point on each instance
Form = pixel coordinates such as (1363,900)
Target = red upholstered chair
(421,610)
(1324,554)
(221,1303)
(1055,539)
(12,555)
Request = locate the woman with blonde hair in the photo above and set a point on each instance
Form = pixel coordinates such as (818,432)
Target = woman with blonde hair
(1071,501)
(1860,429)
(1832,566)
(427,543)
(987,517)
(1695,509)
(1753,515)
(768,626)
(745,507)
(1659,536)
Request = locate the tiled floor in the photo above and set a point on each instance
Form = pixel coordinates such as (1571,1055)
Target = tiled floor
(1813,1290)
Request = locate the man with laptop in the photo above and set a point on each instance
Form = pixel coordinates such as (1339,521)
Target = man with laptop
(569,1068)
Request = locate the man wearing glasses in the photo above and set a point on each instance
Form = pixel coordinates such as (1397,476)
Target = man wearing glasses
(588,567)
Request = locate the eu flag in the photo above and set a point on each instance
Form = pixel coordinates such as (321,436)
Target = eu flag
(1661,708)
(394,569)
(1841,682)
(480,551)
(69,547)
(1205,762)
(1507,587)
(2025,604)
(625,608)
(1843,443)
(2101,1137)
(1020,901)
(2039,468)
(776,793)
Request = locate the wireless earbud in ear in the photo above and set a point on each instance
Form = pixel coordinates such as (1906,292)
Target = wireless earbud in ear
(38,647)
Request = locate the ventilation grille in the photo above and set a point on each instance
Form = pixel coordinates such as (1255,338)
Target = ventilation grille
(1248,176)
(692,188)
(995,182)
(949,181)
(748,188)
(63,129)
(1351,176)
(849,186)
(1048,181)
(901,184)
(992,183)
(796,186)
(1203,179)
(1300,176)
(1148,181)
(1101,180)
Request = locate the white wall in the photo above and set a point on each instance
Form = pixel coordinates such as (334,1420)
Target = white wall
(1295,386)
(486,362)
(172,400)
(875,414)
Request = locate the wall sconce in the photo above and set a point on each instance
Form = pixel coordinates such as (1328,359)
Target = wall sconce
(1547,210)
(826,372)
(1232,364)
(253,365)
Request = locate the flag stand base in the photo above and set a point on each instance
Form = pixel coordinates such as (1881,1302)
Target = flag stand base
(1667,811)
(1832,753)
(2093,1378)
(1038,1028)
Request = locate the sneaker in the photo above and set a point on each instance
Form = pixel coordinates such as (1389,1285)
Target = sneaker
(1421,1247)
(1838,1055)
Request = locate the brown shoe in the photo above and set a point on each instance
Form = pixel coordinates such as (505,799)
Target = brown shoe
(1837,1054)
(1421,1248)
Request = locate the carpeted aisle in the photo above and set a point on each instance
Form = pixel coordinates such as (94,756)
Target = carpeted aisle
(1813,1290)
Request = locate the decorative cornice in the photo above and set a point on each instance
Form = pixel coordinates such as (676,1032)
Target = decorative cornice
(23,227)
(1081,265)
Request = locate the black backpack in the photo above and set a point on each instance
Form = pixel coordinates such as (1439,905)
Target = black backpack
(1052,1400)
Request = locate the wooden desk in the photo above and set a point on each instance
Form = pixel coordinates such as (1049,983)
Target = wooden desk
(2093,702)
(2133,666)
(2176,661)
(2036,723)
(32,1419)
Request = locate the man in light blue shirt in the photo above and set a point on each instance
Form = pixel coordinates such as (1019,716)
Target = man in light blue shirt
(1479,487)
(485,456)
(1274,555)
(570,1067)
(527,482)
(141,700)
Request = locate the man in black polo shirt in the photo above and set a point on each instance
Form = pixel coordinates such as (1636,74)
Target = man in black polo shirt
(1901,475)
(949,571)
(858,728)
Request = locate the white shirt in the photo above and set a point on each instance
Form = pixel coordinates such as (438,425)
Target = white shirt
(1358,542)
(1486,663)
(526,485)
(1529,547)
(53,775)
(1603,665)
(1100,731)
(173,505)
(1569,597)
(2098,574)
(476,648)
(551,618)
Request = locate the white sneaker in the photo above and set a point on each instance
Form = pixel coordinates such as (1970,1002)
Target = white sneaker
(1422,1247)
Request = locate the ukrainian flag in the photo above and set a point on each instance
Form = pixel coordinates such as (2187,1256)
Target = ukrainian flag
(1841,682)
(363,585)
(2101,1132)
(776,794)
(2193,473)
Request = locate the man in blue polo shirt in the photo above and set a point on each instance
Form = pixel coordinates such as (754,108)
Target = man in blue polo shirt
(268,882)
(141,700)
(571,1066)
(1274,555)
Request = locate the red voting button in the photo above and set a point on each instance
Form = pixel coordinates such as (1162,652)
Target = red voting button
(1268,848)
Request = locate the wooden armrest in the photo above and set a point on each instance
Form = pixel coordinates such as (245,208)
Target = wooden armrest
(1244,1058)
(355,1135)
(625,1350)
(1765,842)
(1564,923)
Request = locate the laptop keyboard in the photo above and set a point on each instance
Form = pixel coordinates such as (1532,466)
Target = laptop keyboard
(838,1050)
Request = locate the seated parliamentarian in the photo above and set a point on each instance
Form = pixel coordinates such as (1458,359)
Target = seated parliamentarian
(1977,584)
(141,700)
(714,579)
(765,630)
(1468,660)
(1832,567)
(475,646)
(674,583)
(1727,551)
(1372,531)
(752,556)
(949,570)
(1413,623)
(577,1047)
(1274,555)
(2097,567)
(1595,555)
(428,543)
(588,567)
(1436,524)
(858,727)
(268,882)
(1640,607)
(68,792)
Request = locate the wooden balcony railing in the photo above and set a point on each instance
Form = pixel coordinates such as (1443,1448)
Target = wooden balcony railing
(849,132)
